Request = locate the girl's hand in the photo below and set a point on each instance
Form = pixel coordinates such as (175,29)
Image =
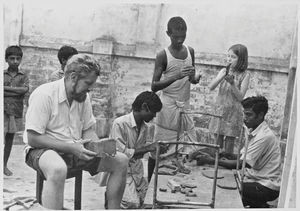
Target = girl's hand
(230,79)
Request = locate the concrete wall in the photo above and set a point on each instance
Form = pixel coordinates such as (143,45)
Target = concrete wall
(126,37)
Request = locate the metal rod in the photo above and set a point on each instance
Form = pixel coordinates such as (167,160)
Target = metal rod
(154,205)
(213,197)
(183,203)
(244,163)
(203,113)
(189,143)
(239,150)
(218,132)
(238,180)
(178,134)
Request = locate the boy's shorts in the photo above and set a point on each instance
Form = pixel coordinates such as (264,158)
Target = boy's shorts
(12,124)
(72,162)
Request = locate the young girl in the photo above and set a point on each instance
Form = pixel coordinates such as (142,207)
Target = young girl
(234,81)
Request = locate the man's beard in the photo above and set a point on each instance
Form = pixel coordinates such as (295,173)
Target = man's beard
(79,97)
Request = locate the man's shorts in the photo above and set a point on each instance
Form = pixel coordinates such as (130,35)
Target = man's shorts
(12,124)
(72,162)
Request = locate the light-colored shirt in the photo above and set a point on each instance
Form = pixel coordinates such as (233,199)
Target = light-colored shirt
(56,75)
(125,132)
(13,105)
(49,113)
(264,156)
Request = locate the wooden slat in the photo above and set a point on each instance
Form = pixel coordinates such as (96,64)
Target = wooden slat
(287,179)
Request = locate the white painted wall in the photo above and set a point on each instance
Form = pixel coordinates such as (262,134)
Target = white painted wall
(213,26)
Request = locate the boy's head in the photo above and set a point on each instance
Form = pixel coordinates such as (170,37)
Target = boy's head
(176,23)
(64,53)
(13,56)
(255,109)
(177,31)
(148,104)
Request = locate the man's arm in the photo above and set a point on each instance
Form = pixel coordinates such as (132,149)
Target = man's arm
(90,134)
(19,90)
(160,67)
(229,164)
(16,90)
(194,79)
(10,94)
(37,140)
(139,152)
(117,133)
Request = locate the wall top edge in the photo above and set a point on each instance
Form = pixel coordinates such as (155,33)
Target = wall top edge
(146,51)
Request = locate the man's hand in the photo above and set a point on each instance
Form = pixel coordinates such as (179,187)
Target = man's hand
(186,71)
(205,159)
(151,147)
(163,148)
(197,77)
(194,79)
(82,153)
(105,147)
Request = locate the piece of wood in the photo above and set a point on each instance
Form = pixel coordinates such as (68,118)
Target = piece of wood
(189,194)
(163,189)
(170,166)
(166,171)
(188,185)
(173,185)
(288,189)
(102,147)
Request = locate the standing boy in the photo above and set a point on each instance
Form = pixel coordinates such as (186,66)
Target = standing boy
(173,74)
(64,53)
(16,85)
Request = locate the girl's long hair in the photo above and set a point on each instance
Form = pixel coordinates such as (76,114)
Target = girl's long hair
(242,53)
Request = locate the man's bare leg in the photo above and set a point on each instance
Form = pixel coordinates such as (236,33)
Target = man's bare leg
(55,171)
(117,166)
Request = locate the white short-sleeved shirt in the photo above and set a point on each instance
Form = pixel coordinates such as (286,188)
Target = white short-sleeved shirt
(49,113)
(264,156)
(125,131)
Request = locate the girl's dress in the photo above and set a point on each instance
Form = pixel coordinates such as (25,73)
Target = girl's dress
(228,105)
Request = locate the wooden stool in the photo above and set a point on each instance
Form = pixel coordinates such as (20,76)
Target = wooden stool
(78,181)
